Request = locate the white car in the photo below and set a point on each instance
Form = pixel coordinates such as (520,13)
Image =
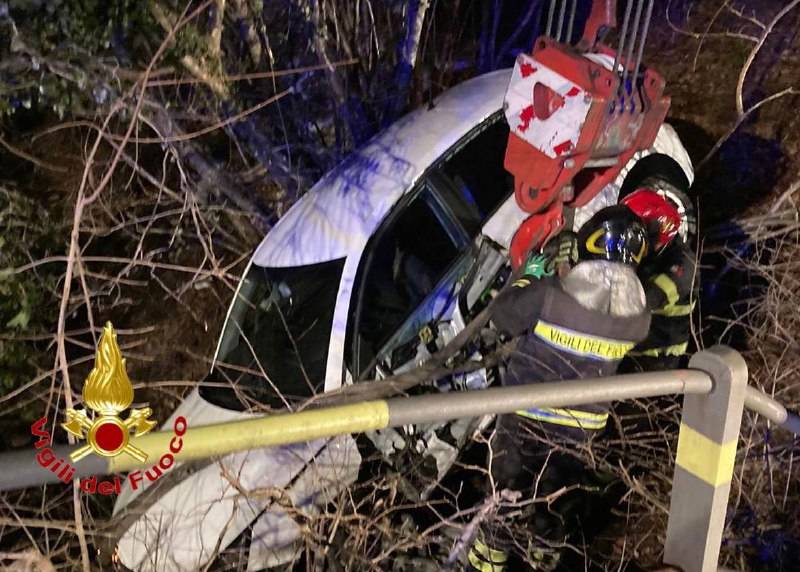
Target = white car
(383,261)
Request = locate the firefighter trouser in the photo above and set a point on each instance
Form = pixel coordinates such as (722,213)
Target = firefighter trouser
(523,459)
(644,418)
(643,363)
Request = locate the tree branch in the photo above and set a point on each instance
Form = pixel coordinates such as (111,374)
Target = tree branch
(754,52)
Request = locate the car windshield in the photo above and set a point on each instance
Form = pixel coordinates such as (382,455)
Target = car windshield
(274,346)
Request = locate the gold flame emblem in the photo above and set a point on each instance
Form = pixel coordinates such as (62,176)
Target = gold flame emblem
(108,392)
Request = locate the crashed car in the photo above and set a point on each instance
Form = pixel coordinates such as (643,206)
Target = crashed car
(381,263)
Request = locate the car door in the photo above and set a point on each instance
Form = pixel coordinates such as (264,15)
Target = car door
(391,329)
(465,187)
(406,280)
(409,283)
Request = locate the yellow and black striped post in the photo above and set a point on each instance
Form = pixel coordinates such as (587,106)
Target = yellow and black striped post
(704,463)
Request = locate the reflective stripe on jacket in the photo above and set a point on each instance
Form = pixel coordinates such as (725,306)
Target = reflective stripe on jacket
(669,288)
(567,417)
(485,559)
(562,340)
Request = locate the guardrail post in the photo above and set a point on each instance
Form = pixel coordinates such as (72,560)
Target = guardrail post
(704,462)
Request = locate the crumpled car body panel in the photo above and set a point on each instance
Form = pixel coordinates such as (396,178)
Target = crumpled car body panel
(200,516)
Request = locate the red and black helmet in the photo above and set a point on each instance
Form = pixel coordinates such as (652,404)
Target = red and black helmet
(614,233)
(660,217)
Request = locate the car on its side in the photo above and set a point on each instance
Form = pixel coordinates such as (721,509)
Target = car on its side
(383,261)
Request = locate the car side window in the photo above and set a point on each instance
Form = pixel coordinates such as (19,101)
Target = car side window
(476,172)
(459,203)
(403,265)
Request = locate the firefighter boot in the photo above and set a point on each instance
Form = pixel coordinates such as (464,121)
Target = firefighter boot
(544,560)
(483,558)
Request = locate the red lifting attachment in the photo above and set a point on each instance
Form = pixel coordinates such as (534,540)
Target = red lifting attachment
(577,115)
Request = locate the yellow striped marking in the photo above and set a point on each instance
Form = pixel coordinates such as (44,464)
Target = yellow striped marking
(672,310)
(591,242)
(670,289)
(676,350)
(263,431)
(521,283)
(592,246)
(666,285)
(707,460)
(566,417)
(580,344)
(486,559)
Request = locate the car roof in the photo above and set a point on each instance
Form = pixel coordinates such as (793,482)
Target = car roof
(337,216)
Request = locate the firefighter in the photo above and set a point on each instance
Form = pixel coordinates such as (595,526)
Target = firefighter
(574,324)
(668,278)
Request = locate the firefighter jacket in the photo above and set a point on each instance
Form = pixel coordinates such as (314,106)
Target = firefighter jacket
(669,288)
(563,340)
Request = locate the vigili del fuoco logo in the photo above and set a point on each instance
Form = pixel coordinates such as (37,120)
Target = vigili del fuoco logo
(106,393)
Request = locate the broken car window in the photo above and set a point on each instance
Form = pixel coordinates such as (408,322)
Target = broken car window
(274,346)
(477,173)
(407,260)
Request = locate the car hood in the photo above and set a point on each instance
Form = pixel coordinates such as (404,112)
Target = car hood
(201,515)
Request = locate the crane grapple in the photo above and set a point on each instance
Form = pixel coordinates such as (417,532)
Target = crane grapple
(577,113)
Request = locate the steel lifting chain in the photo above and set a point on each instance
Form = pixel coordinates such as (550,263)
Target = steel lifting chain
(632,35)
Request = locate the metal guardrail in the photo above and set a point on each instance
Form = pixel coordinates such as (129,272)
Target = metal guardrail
(716,392)
(202,442)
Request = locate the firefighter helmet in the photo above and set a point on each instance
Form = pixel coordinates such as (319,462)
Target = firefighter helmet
(615,234)
(661,218)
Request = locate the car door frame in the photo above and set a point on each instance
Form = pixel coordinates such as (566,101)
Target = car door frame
(440,208)
(506,213)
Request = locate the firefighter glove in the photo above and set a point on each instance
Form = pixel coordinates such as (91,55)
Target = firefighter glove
(566,249)
(537,267)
